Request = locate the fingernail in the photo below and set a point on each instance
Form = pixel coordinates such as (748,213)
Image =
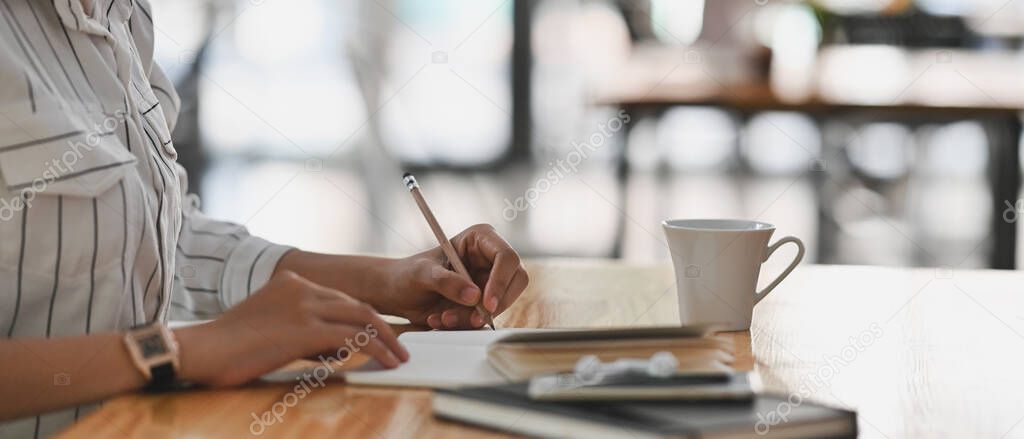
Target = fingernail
(492,304)
(434,321)
(469,295)
(450,320)
(477,320)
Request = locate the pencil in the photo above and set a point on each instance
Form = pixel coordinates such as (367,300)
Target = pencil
(442,240)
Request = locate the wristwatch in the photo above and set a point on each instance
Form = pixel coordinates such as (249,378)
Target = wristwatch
(155,353)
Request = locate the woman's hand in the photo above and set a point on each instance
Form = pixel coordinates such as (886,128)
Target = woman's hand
(424,289)
(288,319)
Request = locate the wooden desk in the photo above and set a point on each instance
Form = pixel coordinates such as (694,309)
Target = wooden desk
(918,352)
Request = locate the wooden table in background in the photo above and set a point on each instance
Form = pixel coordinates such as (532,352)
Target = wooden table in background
(661,78)
(917,352)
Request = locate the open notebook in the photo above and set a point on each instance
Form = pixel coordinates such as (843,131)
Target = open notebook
(439,359)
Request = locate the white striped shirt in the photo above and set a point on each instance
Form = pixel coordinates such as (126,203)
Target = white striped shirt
(96,230)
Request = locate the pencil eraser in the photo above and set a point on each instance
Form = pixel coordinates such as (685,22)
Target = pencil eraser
(410,181)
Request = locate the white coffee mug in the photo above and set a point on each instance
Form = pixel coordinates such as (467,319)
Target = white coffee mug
(717,262)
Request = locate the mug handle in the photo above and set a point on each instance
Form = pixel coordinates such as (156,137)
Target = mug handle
(792,265)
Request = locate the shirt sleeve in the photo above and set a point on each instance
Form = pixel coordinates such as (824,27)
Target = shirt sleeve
(217,263)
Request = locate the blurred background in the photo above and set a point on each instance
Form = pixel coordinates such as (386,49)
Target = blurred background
(879,131)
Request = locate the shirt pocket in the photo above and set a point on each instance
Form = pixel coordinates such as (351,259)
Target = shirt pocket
(57,153)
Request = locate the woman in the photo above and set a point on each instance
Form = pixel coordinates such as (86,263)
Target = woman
(101,244)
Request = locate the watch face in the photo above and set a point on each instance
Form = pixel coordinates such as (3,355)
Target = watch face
(152,345)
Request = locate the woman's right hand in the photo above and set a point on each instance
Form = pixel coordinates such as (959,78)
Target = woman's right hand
(288,319)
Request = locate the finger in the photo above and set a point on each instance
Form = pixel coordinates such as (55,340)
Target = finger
(376,349)
(434,321)
(484,247)
(515,288)
(451,285)
(484,250)
(476,320)
(345,339)
(435,312)
(366,319)
(465,317)
(459,318)
(388,336)
(506,263)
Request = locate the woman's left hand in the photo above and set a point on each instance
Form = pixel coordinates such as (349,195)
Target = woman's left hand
(424,288)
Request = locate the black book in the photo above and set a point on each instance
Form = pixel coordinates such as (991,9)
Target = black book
(509,408)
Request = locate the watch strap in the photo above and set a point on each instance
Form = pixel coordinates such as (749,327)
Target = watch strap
(163,378)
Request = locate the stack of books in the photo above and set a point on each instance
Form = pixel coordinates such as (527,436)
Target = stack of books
(704,398)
